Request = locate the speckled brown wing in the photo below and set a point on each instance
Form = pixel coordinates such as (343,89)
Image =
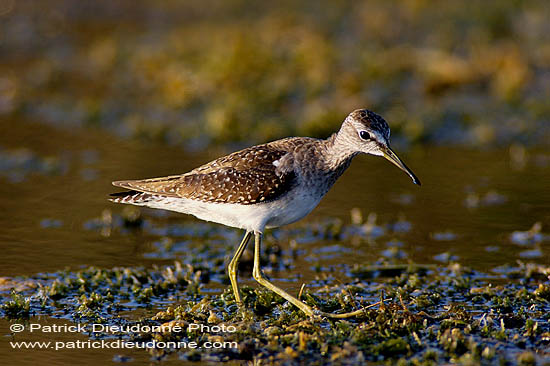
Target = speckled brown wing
(253,175)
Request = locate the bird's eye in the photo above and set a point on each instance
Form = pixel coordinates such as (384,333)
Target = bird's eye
(365,135)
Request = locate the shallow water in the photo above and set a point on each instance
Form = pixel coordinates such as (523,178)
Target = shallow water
(54,182)
(474,207)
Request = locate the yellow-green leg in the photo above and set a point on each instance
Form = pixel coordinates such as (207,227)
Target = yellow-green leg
(232,267)
(258,276)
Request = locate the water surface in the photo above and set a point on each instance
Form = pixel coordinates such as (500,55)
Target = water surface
(471,202)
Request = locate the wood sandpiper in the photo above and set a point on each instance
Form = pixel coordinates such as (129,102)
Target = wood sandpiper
(266,186)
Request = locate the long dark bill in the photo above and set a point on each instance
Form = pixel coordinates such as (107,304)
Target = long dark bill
(391,156)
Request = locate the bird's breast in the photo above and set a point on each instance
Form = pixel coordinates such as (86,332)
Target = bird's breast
(293,207)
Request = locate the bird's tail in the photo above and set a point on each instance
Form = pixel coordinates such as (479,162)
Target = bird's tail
(132,197)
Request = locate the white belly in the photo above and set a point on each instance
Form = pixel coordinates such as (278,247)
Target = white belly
(286,210)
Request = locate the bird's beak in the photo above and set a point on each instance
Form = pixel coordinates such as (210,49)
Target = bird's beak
(391,156)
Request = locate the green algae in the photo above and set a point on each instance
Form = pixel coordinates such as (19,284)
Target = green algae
(17,308)
(427,318)
(430,314)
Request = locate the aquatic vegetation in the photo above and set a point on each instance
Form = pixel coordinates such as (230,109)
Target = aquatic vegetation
(18,307)
(174,72)
(430,314)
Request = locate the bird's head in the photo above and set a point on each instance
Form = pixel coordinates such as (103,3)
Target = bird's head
(370,134)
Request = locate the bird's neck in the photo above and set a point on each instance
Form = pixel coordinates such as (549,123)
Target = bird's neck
(331,157)
(338,151)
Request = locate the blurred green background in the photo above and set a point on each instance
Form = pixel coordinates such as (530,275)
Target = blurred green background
(203,73)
